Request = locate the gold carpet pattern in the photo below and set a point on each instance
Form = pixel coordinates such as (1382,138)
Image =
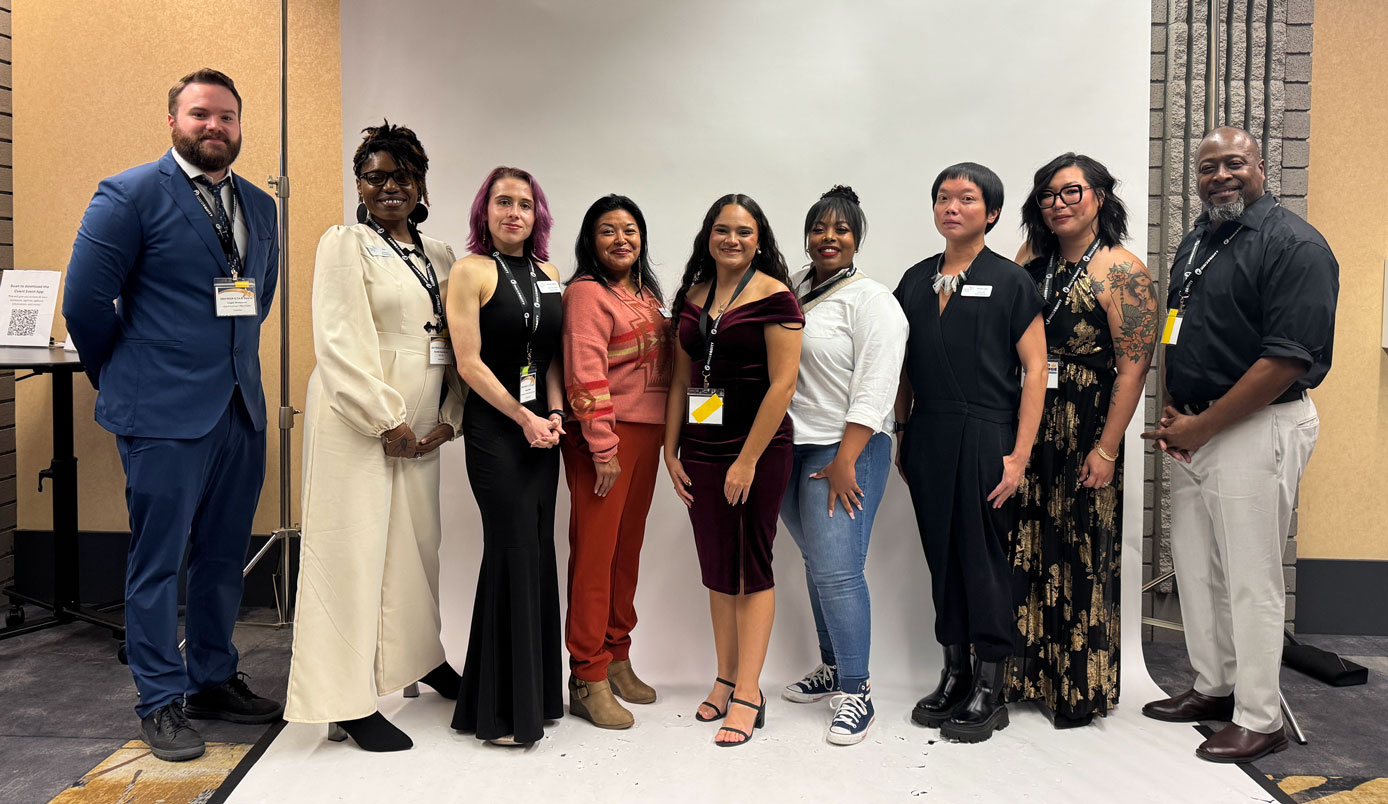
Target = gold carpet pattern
(132,775)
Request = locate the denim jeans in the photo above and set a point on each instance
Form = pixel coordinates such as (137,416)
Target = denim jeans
(835,549)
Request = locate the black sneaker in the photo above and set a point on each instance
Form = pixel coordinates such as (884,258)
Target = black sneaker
(233,701)
(169,734)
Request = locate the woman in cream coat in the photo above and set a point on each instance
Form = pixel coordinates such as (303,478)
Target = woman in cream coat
(381,400)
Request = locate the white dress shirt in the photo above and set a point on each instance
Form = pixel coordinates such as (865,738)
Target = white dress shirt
(850,361)
(238,220)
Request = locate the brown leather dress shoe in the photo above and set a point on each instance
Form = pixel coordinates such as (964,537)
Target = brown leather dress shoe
(1190,707)
(1237,744)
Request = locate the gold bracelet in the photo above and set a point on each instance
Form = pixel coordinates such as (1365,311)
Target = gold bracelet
(1099,448)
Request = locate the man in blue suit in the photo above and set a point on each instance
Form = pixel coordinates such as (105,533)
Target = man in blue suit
(172,273)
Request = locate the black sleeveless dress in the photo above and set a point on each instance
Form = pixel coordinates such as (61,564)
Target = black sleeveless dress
(513,675)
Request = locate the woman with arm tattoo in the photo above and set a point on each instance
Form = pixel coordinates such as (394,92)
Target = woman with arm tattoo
(1101,326)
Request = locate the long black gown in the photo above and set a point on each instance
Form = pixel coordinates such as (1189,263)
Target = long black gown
(1066,560)
(966,379)
(513,675)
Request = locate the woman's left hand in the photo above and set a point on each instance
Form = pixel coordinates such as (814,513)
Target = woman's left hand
(433,439)
(738,482)
(556,424)
(1013,466)
(1096,473)
(843,486)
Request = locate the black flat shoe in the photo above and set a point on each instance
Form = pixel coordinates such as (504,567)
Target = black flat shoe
(719,714)
(760,722)
(371,733)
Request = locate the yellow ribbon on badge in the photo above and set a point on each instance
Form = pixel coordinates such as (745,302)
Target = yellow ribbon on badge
(708,408)
(1172,318)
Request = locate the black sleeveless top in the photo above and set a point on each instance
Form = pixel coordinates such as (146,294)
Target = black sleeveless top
(504,330)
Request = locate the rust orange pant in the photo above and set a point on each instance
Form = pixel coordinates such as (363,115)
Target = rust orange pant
(605,535)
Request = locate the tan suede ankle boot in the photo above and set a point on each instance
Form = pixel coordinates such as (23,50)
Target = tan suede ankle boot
(593,701)
(627,686)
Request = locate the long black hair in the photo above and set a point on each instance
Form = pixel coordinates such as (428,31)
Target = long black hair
(701,268)
(586,262)
(842,203)
(1113,216)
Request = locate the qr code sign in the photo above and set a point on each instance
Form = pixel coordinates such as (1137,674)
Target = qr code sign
(24,321)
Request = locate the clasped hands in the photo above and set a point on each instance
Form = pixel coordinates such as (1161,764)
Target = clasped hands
(401,442)
(1178,434)
(542,433)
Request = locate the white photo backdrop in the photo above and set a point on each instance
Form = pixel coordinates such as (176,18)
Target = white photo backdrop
(675,104)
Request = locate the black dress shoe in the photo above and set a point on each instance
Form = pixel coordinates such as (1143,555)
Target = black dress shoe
(169,734)
(1237,744)
(371,733)
(445,681)
(955,681)
(1191,707)
(234,702)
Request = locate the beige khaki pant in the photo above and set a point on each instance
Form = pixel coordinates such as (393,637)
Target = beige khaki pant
(1231,507)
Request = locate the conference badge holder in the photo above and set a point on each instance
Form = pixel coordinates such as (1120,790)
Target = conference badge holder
(235,297)
(1172,330)
(1052,374)
(705,405)
(440,350)
(527,384)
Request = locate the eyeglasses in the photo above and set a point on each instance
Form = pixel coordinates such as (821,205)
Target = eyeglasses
(1070,194)
(378,178)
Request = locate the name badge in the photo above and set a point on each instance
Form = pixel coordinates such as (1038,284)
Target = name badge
(527,384)
(1172,330)
(665,312)
(548,286)
(379,251)
(440,350)
(1052,374)
(705,405)
(978,291)
(235,297)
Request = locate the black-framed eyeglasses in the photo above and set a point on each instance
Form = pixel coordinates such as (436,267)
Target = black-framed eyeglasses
(1070,194)
(377,178)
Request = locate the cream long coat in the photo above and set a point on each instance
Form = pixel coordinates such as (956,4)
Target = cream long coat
(367,619)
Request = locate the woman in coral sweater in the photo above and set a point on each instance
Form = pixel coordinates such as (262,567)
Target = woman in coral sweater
(617,346)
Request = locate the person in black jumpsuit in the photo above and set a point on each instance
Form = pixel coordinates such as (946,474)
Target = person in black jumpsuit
(969,426)
(505,319)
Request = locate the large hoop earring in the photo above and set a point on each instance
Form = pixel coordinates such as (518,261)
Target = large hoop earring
(419,214)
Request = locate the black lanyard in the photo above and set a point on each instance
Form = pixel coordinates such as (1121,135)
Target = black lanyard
(827,286)
(1065,294)
(427,277)
(711,333)
(1188,281)
(532,321)
(226,235)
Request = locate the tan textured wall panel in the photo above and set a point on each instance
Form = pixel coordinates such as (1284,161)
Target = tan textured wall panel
(116,59)
(1344,496)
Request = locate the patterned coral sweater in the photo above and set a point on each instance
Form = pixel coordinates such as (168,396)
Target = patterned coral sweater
(617,360)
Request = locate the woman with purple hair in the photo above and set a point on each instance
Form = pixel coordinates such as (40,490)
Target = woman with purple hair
(504,317)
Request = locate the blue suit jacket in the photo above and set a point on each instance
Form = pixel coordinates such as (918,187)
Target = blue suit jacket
(163,363)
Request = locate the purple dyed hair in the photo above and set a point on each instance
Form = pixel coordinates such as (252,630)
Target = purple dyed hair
(480,237)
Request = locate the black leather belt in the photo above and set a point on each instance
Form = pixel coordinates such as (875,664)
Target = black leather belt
(1197,408)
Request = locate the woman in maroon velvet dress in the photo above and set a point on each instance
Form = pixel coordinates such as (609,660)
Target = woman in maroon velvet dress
(728,441)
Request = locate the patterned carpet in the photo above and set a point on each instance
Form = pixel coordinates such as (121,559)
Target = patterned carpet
(132,775)
(1334,789)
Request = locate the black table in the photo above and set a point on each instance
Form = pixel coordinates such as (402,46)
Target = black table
(62,472)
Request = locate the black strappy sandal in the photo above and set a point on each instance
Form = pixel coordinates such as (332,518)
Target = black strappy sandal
(720,714)
(760,722)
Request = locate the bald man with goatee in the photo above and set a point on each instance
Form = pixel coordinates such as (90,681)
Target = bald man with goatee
(1249,330)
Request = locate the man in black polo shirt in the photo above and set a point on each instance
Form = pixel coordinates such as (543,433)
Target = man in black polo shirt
(1249,329)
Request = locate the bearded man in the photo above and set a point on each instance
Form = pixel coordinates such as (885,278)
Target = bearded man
(1249,330)
(172,273)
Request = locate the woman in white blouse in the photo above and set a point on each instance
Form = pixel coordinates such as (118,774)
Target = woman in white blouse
(854,342)
(381,400)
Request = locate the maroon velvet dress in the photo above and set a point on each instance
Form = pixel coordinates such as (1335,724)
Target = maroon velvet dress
(734,542)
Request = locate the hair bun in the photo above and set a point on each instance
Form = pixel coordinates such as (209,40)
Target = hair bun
(843,191)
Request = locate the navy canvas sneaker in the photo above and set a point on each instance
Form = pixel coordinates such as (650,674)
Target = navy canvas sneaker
(853,713)
(819,684)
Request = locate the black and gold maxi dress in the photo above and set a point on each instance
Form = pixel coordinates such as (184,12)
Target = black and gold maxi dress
(1067,552)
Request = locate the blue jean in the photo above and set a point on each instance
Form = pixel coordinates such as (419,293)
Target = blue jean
(835,550)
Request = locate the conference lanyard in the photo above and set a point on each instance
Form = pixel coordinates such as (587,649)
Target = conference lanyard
(710,334)
(532,321)
(1065,294)
(427,277)
(1188,280)
(827,287)
(226,235)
